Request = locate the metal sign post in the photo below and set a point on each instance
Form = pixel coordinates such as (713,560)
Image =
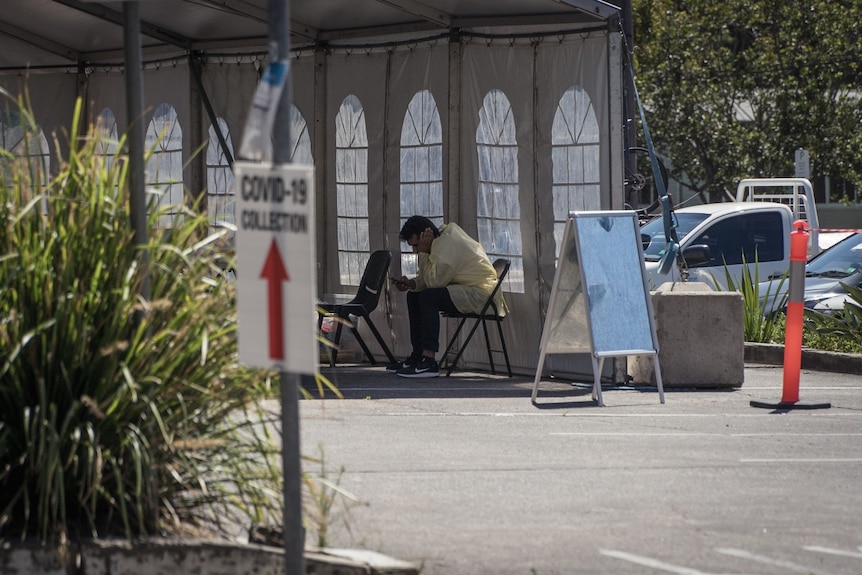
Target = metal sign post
(279,27)
(277,200)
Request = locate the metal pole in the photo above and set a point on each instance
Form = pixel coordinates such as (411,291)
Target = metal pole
(279,26)
(135,131)
(629,122)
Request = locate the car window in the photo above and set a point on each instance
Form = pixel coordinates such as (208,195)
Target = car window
(652,234)
(840,260)
(746,237)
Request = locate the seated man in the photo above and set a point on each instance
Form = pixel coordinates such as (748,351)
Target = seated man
(454,274)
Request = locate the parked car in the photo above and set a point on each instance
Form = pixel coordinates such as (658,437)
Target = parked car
(716,239)
(824,276)
(724,238)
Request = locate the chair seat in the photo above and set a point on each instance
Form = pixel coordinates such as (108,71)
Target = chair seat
(337,299)
(335,308)
(460,315)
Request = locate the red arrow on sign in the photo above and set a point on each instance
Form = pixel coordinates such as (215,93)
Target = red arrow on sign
(275,272)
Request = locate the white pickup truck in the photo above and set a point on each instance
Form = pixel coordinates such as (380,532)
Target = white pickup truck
(722,236)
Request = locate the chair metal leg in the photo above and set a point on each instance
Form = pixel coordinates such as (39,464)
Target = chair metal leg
(463,345)
(450,346)
(380,341)
(344,317)
(320,317)
(503,345)
(488,347)
(361,343)
(333,353)
(452,341)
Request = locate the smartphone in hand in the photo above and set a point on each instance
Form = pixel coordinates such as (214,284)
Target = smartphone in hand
(398,282)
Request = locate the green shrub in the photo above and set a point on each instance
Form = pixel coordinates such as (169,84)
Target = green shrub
(840,331)
(119,415)
(759,324)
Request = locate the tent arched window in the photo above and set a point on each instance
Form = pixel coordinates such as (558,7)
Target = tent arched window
(221,202)
(32,144)
(300,141)
(575,153)
(107,143)
(163,173)
(421,166)
(108,138)
(351,182)
(498,209)
(220,192)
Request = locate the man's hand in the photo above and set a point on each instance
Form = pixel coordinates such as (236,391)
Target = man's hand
(425,240)
(404,283)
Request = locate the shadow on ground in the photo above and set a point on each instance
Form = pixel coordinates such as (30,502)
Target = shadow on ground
(363,381)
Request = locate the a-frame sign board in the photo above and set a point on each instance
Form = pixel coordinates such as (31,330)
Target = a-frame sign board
(600,301)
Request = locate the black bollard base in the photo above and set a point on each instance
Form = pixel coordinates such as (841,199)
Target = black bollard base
(783,406)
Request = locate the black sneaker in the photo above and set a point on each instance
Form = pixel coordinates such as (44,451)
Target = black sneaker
(425,367)
(409,362)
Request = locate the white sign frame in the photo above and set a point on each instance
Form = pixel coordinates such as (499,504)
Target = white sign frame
(600,301)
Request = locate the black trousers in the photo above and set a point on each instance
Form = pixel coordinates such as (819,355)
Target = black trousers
(423,309)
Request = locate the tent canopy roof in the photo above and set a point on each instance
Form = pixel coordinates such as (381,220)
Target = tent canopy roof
(48,33)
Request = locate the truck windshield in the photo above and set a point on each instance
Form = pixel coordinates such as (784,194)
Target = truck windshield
(652,234)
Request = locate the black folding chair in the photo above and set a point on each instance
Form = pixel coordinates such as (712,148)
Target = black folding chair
(489,313)
(366,300)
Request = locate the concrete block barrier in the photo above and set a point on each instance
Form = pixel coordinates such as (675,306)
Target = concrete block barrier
(202,557)
(700,337)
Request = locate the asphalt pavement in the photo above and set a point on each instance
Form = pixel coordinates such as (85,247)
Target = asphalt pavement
(466,476)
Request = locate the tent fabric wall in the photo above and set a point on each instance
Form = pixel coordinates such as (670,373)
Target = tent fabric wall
(106,89)
(51,97)
(532,72)
(411,70)
(229,84)
(362,75)
(508,67)
(533,77)
(585,62)
(163,84)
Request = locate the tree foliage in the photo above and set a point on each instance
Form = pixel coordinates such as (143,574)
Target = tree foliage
(733,88)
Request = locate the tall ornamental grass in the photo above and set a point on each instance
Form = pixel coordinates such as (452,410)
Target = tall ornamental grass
(119,415)
(762,313)
(764,316)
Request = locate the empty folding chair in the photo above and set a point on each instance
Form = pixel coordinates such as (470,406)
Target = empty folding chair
(366,300)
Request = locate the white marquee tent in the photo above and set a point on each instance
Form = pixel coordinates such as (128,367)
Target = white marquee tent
(501,115)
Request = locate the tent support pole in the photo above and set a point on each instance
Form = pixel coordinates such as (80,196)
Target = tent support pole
(135,131)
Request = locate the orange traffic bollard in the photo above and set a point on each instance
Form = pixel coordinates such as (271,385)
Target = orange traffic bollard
(794,322)
(795,312)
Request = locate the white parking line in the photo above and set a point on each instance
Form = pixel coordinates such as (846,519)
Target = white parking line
(812,434)
(770,561)
(627,434)
(701,434)
(802,460)
(571,414)
(841,552)
(652,563)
